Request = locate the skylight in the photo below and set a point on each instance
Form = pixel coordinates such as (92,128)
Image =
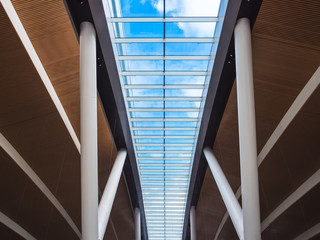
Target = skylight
(165,52)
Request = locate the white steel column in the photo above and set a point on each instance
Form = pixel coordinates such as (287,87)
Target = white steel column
(247,131)
(137,222)
(193,227)
(110,191)
(226,192)
(88,120)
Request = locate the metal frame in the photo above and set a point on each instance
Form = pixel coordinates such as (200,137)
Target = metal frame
(165,40)
(167,73)
(151,86)
(191,99)
(159,19)
(164,58)
(164,109)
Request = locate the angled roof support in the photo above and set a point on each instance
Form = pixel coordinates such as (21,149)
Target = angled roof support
(110,191)
(15,227)
(310,233)
(230,200)
(193,225)
(310,183)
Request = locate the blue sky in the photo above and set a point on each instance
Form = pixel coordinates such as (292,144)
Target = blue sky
(174,8)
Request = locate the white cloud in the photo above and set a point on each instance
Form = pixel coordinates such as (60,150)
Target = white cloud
(191,8)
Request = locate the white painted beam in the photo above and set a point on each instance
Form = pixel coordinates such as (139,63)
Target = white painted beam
(109,192)
(89,133)
(165,109)
(17,158)
(165,58)
(191,99)
(247,131)
(159,86)
(137,223)
(159,19)
(193,226)
(289,201)
(166,73)
(226,192)
(310,233)
(165,40)
(164,119)
(15,227)
(13,16)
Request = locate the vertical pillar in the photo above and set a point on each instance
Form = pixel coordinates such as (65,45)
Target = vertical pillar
(110,191)
(247,131)
(88,125)
(193,227)
(226,192)
(137,222)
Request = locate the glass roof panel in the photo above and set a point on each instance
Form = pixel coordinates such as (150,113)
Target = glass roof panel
(164,52)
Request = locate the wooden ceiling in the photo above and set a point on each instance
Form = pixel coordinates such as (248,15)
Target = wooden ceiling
(31,123)
(286,52)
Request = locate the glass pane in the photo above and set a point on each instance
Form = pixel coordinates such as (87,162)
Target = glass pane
(133,65)
(186,65)
(165,110)
(184,8)
(188,49)
(190,30)
(139,30)
(140,49)
(131,8)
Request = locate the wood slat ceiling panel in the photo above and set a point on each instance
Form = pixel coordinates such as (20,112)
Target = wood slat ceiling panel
(48,26)
(31,123)
(283,63)
(293,22)
(6,233)
(300,217)
(25,204)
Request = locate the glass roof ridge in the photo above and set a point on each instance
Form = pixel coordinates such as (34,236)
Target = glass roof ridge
(164,55)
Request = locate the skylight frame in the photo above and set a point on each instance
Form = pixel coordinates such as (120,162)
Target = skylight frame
(131,100)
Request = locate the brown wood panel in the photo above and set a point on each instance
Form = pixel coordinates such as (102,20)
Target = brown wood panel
(49,28)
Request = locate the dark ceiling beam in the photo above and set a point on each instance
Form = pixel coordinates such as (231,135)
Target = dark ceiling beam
(222,79)
(110,93)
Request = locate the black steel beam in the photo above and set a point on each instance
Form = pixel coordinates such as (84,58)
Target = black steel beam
(110,93)
(222,79)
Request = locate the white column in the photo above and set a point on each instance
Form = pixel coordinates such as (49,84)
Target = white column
(110,191)
(247,131)
(137,222)
(88,122)
(193,227)
(226,192)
